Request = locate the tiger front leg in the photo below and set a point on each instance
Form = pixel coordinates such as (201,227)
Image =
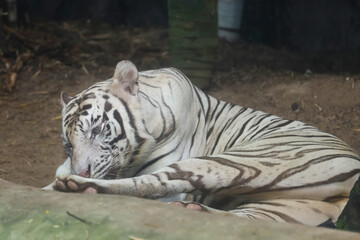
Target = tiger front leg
(182,177)
(142,186)
(145,186)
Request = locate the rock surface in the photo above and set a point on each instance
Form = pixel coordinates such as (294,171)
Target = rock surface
(32,213)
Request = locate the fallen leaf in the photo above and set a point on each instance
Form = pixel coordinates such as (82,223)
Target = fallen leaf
(12,80)
(152,225)
(29,103)
(57,118)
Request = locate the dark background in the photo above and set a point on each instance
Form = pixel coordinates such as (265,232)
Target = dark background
(307,25)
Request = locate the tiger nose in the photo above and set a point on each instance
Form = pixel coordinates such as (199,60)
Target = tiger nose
(85,173)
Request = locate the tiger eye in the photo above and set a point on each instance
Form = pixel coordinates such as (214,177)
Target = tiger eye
(96,130)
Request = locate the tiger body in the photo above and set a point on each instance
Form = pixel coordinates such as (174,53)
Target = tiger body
(155,135)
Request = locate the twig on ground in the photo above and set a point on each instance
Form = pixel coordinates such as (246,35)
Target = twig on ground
(57,118)
(78,218)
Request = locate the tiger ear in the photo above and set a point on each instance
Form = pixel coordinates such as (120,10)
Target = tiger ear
(125,79)
(65,98)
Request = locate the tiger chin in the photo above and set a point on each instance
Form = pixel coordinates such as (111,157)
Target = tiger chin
(154,135)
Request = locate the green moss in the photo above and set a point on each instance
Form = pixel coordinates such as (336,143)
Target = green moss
(49,224)
(342,223)
(350,217)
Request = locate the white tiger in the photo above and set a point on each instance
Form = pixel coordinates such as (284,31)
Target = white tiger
(155,135)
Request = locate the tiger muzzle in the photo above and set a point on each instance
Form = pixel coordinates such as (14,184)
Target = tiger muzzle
(85,173)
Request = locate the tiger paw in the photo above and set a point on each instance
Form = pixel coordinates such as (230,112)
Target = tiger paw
(80,184)
(60,185)
(190,205)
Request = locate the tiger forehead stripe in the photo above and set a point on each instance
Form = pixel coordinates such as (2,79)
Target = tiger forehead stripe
(107,106)
(95,120)
(85,107)
(89,95)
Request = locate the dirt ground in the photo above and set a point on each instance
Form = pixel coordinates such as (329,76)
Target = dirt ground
(47,58)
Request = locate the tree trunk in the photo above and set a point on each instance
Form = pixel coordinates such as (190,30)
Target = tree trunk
(193,38)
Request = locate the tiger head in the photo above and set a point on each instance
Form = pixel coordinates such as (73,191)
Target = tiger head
(102,129)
